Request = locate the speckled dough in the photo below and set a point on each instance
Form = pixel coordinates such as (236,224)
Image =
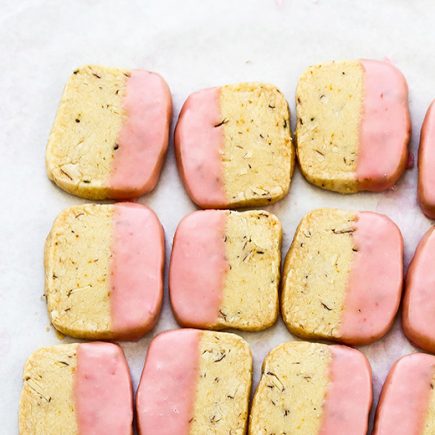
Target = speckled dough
(99,139)
(247,274)
(249,132)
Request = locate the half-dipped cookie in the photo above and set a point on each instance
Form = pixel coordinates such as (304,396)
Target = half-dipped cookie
(77,389)
(225,270)
(418,315)
(312,389)
(193,383)
(353,125)
(110,135)
(104,271)
(407,403)
(426,164)
(343,276)
(233,146)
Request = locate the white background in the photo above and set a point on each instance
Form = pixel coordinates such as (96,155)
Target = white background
(193,44)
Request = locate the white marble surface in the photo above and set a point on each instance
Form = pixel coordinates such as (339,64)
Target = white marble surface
(193,44)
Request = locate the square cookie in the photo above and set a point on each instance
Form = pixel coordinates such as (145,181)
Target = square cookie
(225,270)
(195,382)
(110,135)
(77,389)
(233,146)
(104,271)
(353,125)
(343,276)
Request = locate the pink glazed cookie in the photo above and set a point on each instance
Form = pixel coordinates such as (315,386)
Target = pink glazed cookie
(225,270)
(104,271)
(407,403)
(233,146)
(312,389)
(110,135)
(418,317)
(343,276)
(426,164)
(353,125)
(77,389)
(194,382)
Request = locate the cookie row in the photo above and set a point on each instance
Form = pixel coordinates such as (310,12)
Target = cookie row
(197,382)
(342,277)
(233,143)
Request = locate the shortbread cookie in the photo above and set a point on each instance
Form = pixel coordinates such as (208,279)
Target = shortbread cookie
(407,404)
(104,271)
(194,383)
(353,125)
(418,315)
(225,270)
(110,135)
(312,389)
(343,276)
(233,146)
(77,389)
(426,164)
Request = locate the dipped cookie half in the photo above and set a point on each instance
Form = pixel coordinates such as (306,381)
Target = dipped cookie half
(407,403)
(104,271)
(77,389)
(110,134)
(194,383)
(343,276)
(225,270)
(233,146)
(353,125)
(418,315)
(426,164)
(312,389)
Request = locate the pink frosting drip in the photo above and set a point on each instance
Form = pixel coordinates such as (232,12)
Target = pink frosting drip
(199,142)
(136,270)
(349,394)
(426,164)
(166,394)
(143,138)
(385,126)
(198,268)
(102,390)
(375,281)
(419,303)
(405,396)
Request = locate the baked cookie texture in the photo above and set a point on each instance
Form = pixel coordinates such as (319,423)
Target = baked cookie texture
(225,270)
(353,125)
(426,163)
(418,318)
(233,146)
(309,389)
(104,271)
(343,276)
(110,134)
(407,403)
(195,382)
(76,389)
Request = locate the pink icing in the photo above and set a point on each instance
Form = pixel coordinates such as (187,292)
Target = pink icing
(136,270)
(102,390)
(166,393)
(405,396)
(199,141)
(385,126)
(143,138)
(349,394)
(426,164)
(419,303)
(198,268)
(375,281)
